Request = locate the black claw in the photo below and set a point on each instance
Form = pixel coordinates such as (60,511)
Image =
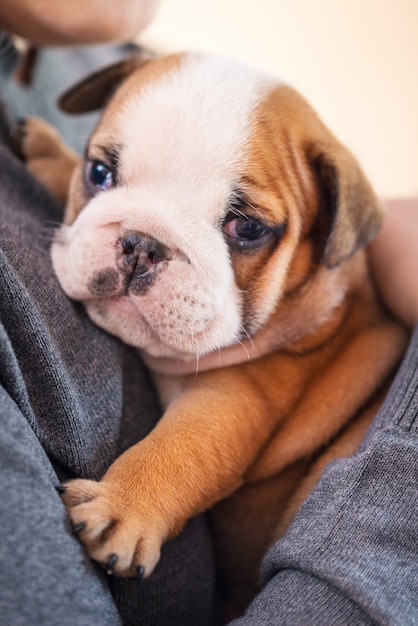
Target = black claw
(21,128)
(61,488)
(79,527)
(140,571)
(110,563)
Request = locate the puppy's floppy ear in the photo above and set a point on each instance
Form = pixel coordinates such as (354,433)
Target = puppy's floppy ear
(354,212)
(93,92)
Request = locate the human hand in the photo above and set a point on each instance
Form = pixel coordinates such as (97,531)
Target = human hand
(394,259)
(48,22)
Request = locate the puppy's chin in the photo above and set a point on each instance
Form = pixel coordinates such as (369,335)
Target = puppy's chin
(168,320)
(164,333)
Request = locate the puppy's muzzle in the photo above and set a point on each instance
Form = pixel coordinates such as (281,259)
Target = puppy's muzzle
(142,258)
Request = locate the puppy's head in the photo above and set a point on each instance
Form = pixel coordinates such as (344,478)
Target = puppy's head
(208,194)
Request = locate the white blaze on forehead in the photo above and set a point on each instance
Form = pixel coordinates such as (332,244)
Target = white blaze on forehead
(189,128)
(183,139)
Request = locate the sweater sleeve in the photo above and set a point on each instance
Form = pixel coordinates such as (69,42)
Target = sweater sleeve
(45,577)
(350,557)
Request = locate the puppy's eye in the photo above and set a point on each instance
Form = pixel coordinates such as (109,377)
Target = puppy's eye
(245,231)
(98,176)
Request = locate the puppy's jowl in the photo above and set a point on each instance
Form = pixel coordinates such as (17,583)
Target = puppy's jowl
(217,225)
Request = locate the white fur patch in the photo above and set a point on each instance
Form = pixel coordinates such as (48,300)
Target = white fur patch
(187,132)
(183,139)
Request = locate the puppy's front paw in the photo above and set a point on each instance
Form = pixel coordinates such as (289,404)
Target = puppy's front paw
(124,540)
(37,139)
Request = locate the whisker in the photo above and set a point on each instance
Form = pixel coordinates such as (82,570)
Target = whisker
(46,236)
(256,210)
(197,364)
(246,333)
(48,232)
(237,211)
(245,350)
(58,235)
(53,224)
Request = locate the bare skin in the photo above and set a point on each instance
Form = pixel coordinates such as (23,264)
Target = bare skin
(394,258)
(48,22)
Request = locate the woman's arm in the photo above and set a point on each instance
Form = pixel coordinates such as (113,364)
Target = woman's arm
(394,259)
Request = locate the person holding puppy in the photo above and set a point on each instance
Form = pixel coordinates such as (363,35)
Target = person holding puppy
(72,399)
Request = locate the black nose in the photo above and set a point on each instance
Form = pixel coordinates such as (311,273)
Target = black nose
(141,254)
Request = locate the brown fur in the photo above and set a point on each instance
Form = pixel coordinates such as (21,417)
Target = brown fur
(47,157)
(251,439)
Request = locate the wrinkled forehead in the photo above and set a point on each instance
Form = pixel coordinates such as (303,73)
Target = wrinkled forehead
(190,123)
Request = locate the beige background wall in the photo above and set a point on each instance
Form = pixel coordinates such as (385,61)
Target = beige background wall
(355,60)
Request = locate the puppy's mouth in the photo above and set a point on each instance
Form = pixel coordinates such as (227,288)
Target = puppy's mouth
(139,261)
(157,291)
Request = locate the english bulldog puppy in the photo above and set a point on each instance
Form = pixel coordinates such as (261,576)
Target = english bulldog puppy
(217,225)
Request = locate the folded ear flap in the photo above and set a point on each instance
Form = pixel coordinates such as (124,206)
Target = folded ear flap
(93,92)
(354,212)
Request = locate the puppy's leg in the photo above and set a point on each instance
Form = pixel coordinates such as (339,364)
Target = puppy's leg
(196,455)
(46,155)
